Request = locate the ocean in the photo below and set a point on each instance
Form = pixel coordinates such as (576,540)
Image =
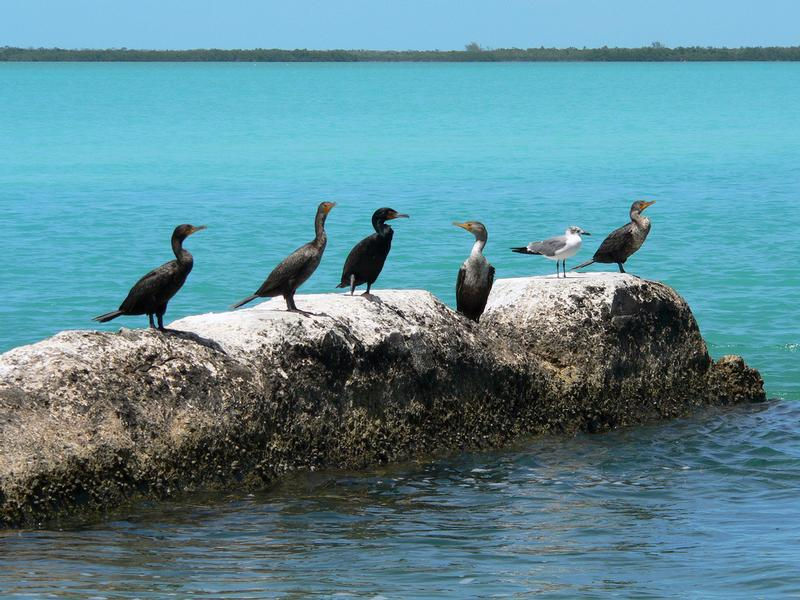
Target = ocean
(99,162)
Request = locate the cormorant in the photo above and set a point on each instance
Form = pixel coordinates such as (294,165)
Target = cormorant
(152,292)
(626,240)
(558,248)
(476,275)
(293,270)
(365,261)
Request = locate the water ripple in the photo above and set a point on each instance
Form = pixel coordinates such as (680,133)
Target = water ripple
(703,507)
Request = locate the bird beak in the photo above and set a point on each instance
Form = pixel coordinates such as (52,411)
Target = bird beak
(585,233)
(398,216)
(196,229)
(462,225)
(646,204)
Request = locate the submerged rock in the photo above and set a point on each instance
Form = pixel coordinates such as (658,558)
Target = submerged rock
(91,419)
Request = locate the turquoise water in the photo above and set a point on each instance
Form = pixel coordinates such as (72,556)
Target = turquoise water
(700,508)
(99,162)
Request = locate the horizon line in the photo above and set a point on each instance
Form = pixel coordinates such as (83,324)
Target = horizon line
(468,48)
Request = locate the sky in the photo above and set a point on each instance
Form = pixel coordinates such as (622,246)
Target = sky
(395,24)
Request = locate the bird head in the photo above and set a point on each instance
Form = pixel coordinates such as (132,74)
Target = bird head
(326,207)
(183,231)
(386,214)
(476,228)
(577,230)
(640,205)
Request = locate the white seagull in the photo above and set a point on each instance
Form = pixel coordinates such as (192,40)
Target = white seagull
(558,248)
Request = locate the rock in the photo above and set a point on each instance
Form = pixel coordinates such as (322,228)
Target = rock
(619,347)
(89,420)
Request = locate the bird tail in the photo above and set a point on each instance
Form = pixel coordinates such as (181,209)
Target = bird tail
(108,316)
(343,284)
(580,266)
(243,302)
(523,250)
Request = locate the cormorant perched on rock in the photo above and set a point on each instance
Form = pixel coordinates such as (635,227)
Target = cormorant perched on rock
(626,240)
(293,270)
(476,275)
(365,261)
(152,292)
(558,248)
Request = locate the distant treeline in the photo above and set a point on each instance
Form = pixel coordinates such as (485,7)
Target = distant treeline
(655,53)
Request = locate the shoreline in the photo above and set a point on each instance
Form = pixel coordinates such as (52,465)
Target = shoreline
(654,53)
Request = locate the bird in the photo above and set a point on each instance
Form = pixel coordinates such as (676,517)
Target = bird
(365,261)
(558,248)
(476,275)
(622,242)
(296,268)
(150,295)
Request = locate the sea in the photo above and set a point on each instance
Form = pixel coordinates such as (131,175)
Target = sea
(99,162)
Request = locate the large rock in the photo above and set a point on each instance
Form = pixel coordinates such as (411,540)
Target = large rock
(90,419)
(616,348)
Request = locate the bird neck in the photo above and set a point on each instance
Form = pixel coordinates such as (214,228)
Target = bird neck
(477,247)
(319,228)
(638,219)
(184,256)
(381,227)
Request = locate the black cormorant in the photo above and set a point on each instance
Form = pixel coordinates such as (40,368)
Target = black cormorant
(293,270)
(476,275)
(365,261)
(623,242)
(152,292)
(558,248)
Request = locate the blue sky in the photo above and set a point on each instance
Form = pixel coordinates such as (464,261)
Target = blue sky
(395,24)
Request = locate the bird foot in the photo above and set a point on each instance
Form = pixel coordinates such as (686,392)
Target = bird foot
(308,313)
(371,297)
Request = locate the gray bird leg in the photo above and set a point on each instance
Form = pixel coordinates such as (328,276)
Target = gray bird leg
(290,305)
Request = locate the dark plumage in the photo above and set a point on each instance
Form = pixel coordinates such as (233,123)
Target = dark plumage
(476,275)
(365,261)
(623,242)
(296,268)
(152,292)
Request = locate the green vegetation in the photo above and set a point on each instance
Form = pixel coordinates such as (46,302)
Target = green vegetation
(473,52)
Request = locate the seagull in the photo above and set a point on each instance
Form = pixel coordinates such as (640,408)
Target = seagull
(558,248)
